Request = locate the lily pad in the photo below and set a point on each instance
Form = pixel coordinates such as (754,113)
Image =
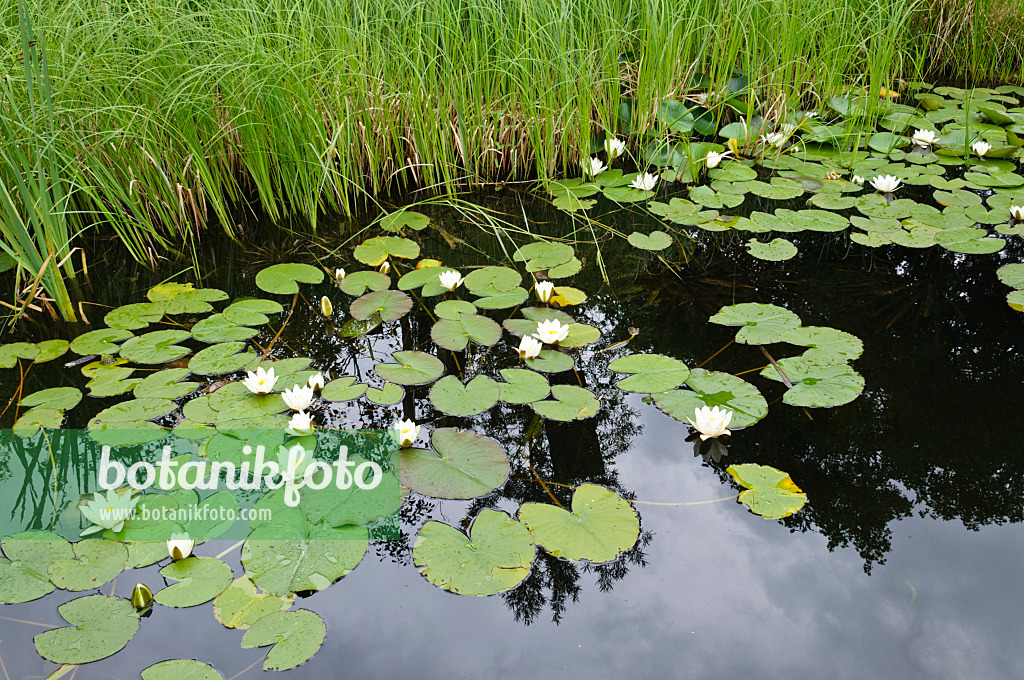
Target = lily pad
(1012,275)
(241,605)
(100,341)
(651,372)
(199,580)
(462,464)
(826,345)
(551,361)
(112,382)
(777,250)
(100,626)
(390,304)
(416,368)
(219,328)
(569,402)
(357,283)
(343,389)
(134,316)
(523,386)
(96,562)
(374,251)
(251,312)
(177,298)
(600,527)
(62,398)
(34,419)
(285,560)
(542,255)
(284,279)
(762,324)
(51,349)
(296,636)
(488,280)
(401,219)
(969,240)
(502,299)
(452,309)
(388,395)
(711,388)
(425,278)
(156,347)
(165,384)
(496,557)
(23,575)
(224,357)
(455,334)
(450,396)
(181,669)
(770,493)
(815,385)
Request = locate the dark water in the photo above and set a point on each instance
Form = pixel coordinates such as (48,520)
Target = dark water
(905,563)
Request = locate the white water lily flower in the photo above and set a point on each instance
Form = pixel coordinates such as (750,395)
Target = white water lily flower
(613,146)
(339,274)
(981,148)
(407,432)
(298,398)
(180,546)
(776,139)
(886,183)
(385,267)
(260,382)
(326,308)
(451,279)
(711,422)
(924,138)
(551,331)
(858,180)
(713,159)
(812,114)
(644,182)
(293,461)
(594,167)
(1017,212)
(529,348)
(108,511)
(301,425)
(788,129)
(544,290)
(316,382)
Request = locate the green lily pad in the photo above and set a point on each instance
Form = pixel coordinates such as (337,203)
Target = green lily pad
(778,189)
(677,210)
(51,349)
(496,557)
(543,255)
(390,304)
(651,372)
(401,219)
(224,357)
(23,575)
(551,361)
(580,335)
(426,278)
(100,341)
(416,368)
(113,382)
(388,395)
(462,464)
(626,194)
(826,345)
(199,580)
(815,385)
(240,605)
(656,240)
(148,408)
(777,250)
(251,312)
(1012,275)
(374,251)
(11,352)
(969,240)
(181,669)
(770,493)
(357,283)
(711,388)
(177,298)
(285,560)
(284,279)
(601,525)
(62,398)
(100,626)
(502,299)
(522,386)
(762,324)
(343,389)
(492,280)
(450,396)
(296,636)
(165,384)
(455,334)
(34,419)
(218,328)
(96,562)
(134,316)
(156,347)
(569,402)
(354,328)
(709,198)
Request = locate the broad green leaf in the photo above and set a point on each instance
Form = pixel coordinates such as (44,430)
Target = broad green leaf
(487,280)
(219,328)
(656,240)
(374,251)
(711,388)
(496,557)
(184,299)
(284,279)
(776,250)
(51,349)
(95,562)
(568,402)
(462,464)
(165,384)
(134,316)
(156,347)
(817,386)
(456,334)
(148,408)
(343,389)
(600,526)
(400,219)
(388,395)
(415,368)
(224,357)
(358,283)
(11,352)
(494,299)
(968,240)
(523,386)
(241,605)
(770,493)
(296,636)
(541,255)
(35,418)
(181,669)
(427,278)
(1012,275)
(199,580)
(251,312)
(100,626)
(390,304)
(551,361)
(24,574)
(452,309)
(826,345)
(100,341)
(62,398)
(762,324)
(651,372)
(283,561)
(450,396)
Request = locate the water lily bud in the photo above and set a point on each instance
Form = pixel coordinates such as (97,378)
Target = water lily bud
(407,432)
(385,267)
(858,180)
(529,348)
(544,290)
(180,546)
(316,382)
(326,308)
(142,597)
(339,274)
(1017,212)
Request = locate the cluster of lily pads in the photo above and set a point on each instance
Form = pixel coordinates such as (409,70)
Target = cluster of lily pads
(236,387)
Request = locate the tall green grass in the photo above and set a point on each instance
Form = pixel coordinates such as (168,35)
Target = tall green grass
(172,113)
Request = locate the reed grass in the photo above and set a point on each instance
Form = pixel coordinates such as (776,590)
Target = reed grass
(173,113)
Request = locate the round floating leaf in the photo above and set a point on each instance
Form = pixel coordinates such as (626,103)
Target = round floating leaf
(178,298)
(35,418)
(777,250)
(502,299)
(296,636)
(400,219)
(562,271)
(358,283)
(112,382)
(240,606)
(11,352)
(199,580)
(96,562)
(343,389)
(455,334)
(426,277)
(23,575)
(463,464)
(452,309)
(51,349)
(580,335)
(390,304)
(711,388)
(497,556)
(1016,300)
(1012,275)
(770,493)
(62,398)
(522,386)
(252,312)
(156,347)
(94,342)
(551,361)
(541,255)
(148,408)
(733,172)
(134,316)
(283,560)
(779,189)
(284,279)
(492,280)
(827,345)
(566,296)
(388,395)
(416,368)
(165,384)
(817,386)
(450,396)
(354,329)
(569,403)
(181,669)
(652,372)
(969,240)
(100,626)
(762,324)
(626,194)
(219,328)
(374,251)
(225,357)
(656,240)
(601,526)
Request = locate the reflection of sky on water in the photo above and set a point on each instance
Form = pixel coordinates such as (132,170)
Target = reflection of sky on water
(726,594)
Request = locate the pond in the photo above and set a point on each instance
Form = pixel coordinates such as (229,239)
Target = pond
(902,563)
